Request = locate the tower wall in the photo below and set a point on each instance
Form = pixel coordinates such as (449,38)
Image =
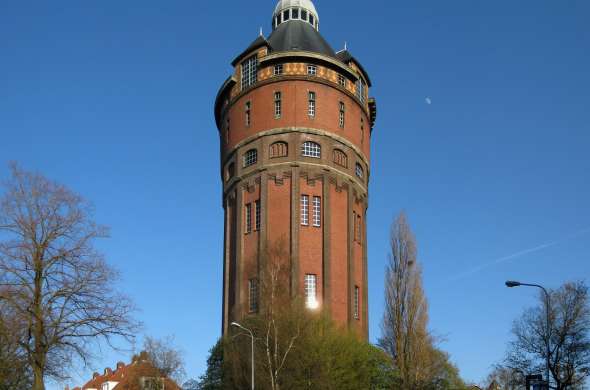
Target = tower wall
(335,251)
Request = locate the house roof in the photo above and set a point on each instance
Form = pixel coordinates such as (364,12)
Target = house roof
(128,376)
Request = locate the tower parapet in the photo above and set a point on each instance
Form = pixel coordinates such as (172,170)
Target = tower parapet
(295,121)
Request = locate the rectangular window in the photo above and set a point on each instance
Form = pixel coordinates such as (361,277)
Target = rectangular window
(304,15)
(253,295)
(305,210)
(341,116)
(317,211)
(278,105)
(356,302)
(311,105)
(249,72)
(286,15)
(358,228)
(248,218)
(248,119)
(354,229)
(311,301)
(361,90)
(227,130)
(278,69)
(312,70)
(257,215)
(362,130)
(342,81)
(295,13)
(311,19)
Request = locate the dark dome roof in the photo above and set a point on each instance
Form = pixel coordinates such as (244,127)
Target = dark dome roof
(297,35)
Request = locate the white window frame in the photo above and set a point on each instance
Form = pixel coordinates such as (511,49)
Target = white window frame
(361,90)
(311,149)
(249,72)
(342,81)
(278,70)
(250,157)
(359,171)
(311,107)
(305,210)
(317,211)
(278,104)
(310,285)
(257,215)
(312,70)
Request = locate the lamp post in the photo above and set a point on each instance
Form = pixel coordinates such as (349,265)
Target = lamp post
(252,337)
(512,283)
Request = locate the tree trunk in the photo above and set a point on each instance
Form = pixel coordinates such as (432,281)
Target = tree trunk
(38,383)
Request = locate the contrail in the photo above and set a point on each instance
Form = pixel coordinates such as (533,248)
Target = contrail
(518,254)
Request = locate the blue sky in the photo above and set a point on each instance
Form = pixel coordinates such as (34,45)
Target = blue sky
(115,99)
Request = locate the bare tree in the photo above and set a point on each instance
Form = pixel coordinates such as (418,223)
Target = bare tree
(15,373)
(504,378)
(281,316)
(53,278)
(404,328)
(165,356)
(568,336)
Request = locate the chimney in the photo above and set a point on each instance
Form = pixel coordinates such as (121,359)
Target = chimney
(95,375)
(120,365)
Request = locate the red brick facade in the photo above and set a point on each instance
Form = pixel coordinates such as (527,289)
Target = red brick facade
(335,251)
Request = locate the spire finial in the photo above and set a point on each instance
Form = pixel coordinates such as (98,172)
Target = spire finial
(345,45)
(261,31)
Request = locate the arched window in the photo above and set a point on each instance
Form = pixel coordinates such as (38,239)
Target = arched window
(359,170)
(340,158)
(311,149)
(279,149)
(250,157)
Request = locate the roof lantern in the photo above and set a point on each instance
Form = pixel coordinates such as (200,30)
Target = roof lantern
(293,10)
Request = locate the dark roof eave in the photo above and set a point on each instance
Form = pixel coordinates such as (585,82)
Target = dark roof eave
(258,42)
(346,57)
(227,84)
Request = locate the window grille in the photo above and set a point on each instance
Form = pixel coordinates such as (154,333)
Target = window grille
(278,104)
(317,211)
(249,72)
(250,157)
(305,210)
(311,149)
(312,70)
(253,295)
(311,104)
(311,291)
(248,113)
(341,116)
(361,90)
(342,81)
(257,215)
(359,170)
(278,69)
(248,218)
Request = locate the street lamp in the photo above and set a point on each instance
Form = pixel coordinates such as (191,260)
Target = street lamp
(513,283)
(252,337)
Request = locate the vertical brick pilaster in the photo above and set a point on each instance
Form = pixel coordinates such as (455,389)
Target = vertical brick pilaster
(326,226)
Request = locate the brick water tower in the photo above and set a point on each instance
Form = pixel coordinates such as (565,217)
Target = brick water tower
(295,122)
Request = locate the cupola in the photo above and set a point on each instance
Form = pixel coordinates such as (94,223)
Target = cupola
(293,10)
